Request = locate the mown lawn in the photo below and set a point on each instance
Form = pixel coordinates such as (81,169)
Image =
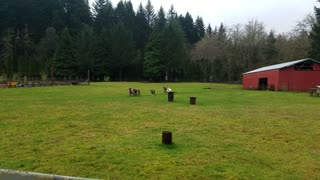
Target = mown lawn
(98,131)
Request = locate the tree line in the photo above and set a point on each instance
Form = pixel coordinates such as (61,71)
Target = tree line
(117,43)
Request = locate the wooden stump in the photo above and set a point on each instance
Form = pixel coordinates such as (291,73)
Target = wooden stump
(170,96)
(166,137)
(193,100)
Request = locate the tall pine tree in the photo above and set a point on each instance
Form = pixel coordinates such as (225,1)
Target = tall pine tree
(174,51)
(160,20)
(150,14)
(209,31)
(188,27)
(103,15)
(47,49)
(122,51)
(315,36)
(199,29)
(66,65)
(7,54)
(28,52)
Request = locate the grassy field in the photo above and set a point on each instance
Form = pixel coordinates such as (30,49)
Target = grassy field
(98,131)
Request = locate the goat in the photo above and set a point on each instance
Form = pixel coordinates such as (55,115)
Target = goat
(134,92)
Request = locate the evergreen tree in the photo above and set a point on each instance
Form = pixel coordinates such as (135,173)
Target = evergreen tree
(47,50)
(143,30)
(103,15)
(209,31)
(315,36)
(18,65)
(200,29)
(150,14)
(38,15)
(270,50)
(65,62)
(174,51)
(84,51)
(222,33)
(142,33)
(188,27)
(160,20)
(154,63)
(102,54)
(221,64)
(172,13)
(7,54)
(28,50)
(215,31)
(77,12)
(125,15)
(122,50)
(120,13)
(154,68)
(166,53)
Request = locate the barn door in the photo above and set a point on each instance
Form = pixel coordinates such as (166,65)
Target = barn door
(263,84)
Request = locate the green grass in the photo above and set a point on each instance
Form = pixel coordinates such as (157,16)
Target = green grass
(98,131)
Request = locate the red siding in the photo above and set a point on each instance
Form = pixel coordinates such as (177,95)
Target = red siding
(300,80)
(251,81)
(316,67)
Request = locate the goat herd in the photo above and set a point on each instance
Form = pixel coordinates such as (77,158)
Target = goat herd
(136,92)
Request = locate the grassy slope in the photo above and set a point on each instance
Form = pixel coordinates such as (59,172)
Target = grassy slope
(100,132)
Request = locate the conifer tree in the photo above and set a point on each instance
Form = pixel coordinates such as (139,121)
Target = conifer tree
(65,62)
(142,30)
(84,49)
(315,36)
(122,50)
(199,28)
(188,27)
(160,20)
(150,14)
(7,54)
(174,50)
(47,49)
(28,51)
(154,68)
(172,14)
(209,30)
(77,12)
(103,15)
(270,50)
(154,63)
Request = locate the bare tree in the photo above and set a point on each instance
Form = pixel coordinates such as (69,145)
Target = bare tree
(304,27)
(254,40)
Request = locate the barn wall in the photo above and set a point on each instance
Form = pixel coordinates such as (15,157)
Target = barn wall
(300,80)
(316,67)
(251,81)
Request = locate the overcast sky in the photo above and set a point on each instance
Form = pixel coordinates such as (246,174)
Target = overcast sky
(279,15)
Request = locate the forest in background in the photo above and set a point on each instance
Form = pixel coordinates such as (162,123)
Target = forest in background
(117,43)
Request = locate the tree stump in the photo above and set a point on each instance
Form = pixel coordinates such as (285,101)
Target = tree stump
(166,137)
(170,96)
(193,100)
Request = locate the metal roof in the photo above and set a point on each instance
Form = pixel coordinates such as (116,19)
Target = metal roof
(280,66)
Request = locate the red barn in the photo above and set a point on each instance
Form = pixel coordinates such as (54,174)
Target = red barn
(298,75)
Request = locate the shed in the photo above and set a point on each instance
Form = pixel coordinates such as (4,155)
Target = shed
(300,75)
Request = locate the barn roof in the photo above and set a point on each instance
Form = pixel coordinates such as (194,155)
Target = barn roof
(281,66)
